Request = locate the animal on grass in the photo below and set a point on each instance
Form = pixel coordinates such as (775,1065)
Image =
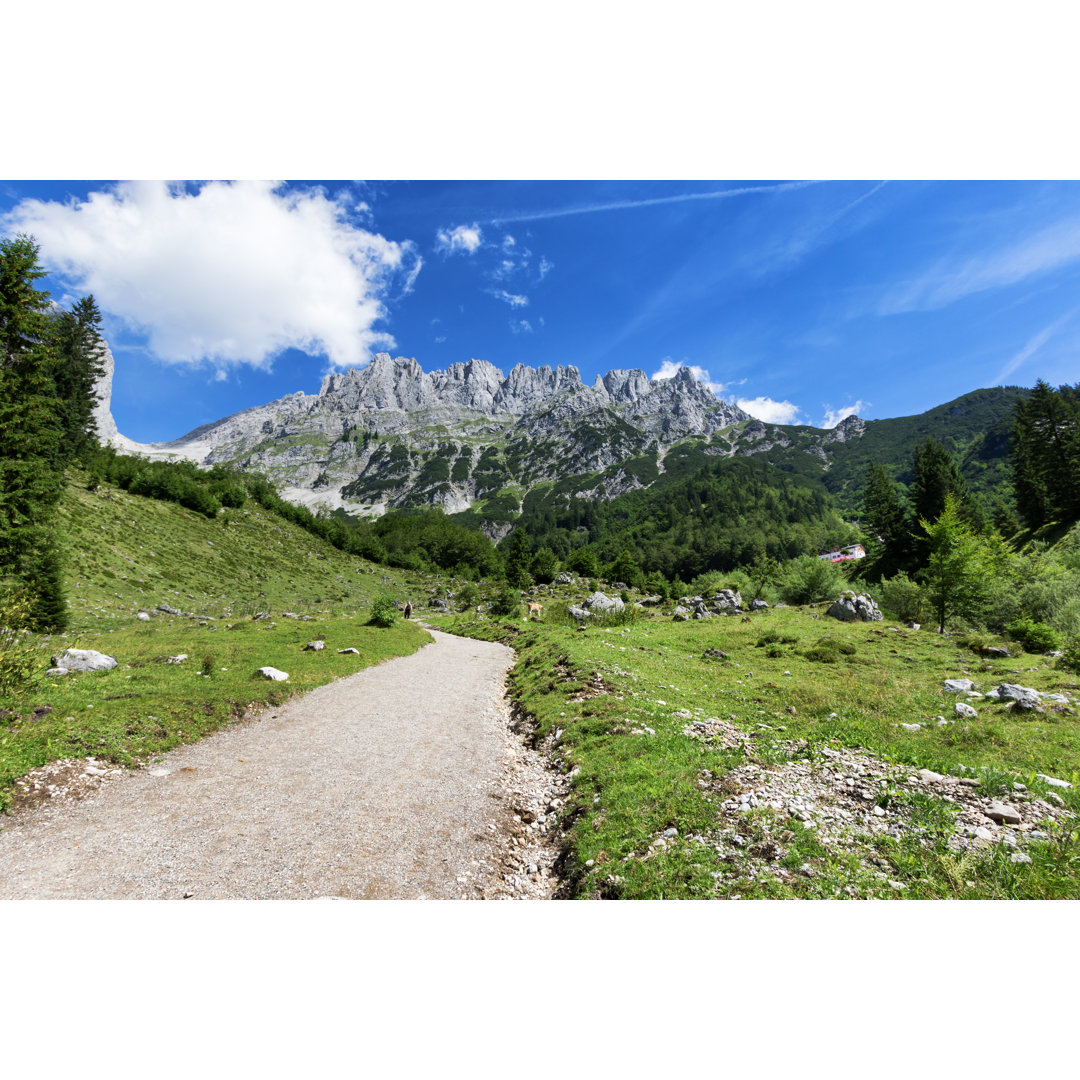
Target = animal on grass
(535,609)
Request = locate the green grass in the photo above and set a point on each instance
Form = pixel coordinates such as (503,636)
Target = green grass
(146,705)
(125,552)
(798,682)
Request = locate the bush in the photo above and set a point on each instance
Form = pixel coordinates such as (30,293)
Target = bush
(384,612)
(904,598)
(207,668)
(808,579)
(507,602)
(467,596)
(20,660)
(1070,656)
(1036,637)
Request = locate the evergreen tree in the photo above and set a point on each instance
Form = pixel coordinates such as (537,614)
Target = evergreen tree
(1046,455)
(518,556)
(888,528)
(31,476)
(80,353)
(545,566)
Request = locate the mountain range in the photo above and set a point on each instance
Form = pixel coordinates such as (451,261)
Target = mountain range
(390,435)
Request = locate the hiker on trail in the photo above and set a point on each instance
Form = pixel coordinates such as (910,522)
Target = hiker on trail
(408,609)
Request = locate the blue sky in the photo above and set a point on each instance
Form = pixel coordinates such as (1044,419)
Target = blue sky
(802,301)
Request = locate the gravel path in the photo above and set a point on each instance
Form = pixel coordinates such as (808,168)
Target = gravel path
(400,782)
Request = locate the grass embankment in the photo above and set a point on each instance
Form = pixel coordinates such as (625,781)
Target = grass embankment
(797,687)
(125,552)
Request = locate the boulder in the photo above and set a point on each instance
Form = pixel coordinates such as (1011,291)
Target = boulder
(758,605)
(179,658)
(143,616)
(169,610)
(578,613)
(727,600)
(601,602)
(564,579)
(959,686)
(964,710)
(272,674)
(350,650)
(651,601)
(1022,697)
(855,607)
(83,660)
(315,646)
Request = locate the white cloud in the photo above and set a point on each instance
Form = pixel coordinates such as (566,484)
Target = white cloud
(508,243)
(1049,249)
(670,368)
(834,416)
(513,299)
(546,265)
(231,274)
(466,238)
(520,326)
(772,412)
(440,340)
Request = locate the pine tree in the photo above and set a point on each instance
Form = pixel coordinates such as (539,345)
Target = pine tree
(518,560)
(80,353)
(31,476)
(888,528)
(1046,455)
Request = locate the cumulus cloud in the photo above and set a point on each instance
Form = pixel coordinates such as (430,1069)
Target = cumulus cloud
(462,238)
(513,299)
(834,416)
(772,412)
(230,274)
(670,368)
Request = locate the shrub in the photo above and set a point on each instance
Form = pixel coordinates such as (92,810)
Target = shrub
(1036,637)
(383,612)
(829,650)
(904,598)
(20,660)
(1070,656)
(507,602)
(808,579)
(207,668)
(467,596)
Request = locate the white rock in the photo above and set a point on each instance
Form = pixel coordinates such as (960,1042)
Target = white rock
(354,651)
(930,777)
(1004,813)
(143,617)
(1052,780)
(83,660)
(959,686)
(315,646)
(1019,857)
(964,710)
(273,674)
(912,727)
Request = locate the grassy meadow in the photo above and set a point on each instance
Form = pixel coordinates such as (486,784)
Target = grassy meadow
(124,553)
(614,703)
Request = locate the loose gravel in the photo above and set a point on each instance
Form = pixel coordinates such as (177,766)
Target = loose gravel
(404,781)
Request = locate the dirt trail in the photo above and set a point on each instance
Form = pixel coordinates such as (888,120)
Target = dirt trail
(399,782)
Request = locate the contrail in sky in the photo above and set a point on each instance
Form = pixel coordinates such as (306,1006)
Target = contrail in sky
(634,204)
